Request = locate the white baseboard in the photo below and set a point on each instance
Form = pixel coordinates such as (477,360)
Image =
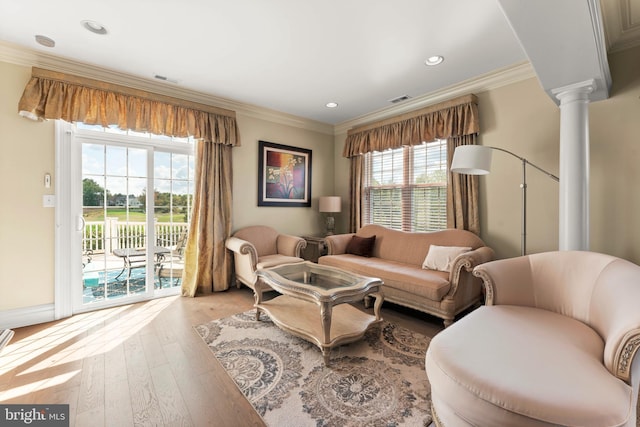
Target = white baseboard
(26,316)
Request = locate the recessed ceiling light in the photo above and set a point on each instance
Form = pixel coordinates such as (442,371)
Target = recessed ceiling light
(94,27)
(434,60)
(45,41)
(332,104)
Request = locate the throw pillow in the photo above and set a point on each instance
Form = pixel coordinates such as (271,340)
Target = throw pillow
(362,246)
(441,257)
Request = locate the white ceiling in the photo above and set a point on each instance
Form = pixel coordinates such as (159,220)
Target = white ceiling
(295,56)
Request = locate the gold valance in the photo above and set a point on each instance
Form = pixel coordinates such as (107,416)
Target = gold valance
(51,95)
(457,117)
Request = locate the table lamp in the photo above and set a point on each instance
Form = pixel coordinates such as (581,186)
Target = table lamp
(330,205)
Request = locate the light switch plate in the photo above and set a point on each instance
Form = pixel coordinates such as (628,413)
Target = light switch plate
(48,201)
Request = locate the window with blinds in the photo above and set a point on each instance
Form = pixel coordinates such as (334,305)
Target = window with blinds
(406,188)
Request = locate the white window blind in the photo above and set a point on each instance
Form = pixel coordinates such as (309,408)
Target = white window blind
(406,188)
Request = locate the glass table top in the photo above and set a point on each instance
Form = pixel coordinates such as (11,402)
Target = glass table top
(316,276)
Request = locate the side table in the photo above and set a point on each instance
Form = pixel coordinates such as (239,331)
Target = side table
(316,248)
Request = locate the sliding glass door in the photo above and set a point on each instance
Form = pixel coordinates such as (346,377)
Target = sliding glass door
(132,197)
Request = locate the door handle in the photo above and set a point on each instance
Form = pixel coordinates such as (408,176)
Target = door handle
(80,223)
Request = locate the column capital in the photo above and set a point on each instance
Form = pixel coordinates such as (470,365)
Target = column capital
(575,91)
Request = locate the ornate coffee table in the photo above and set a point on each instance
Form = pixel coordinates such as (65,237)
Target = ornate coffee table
(312,305)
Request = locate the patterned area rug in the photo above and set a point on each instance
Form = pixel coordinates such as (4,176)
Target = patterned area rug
(377,381)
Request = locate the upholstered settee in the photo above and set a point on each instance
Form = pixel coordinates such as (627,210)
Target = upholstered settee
(260,246)
(443,288)
(555,345)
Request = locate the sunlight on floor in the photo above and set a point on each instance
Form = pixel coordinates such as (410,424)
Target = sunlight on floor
(69,341)
(15,392)
(30,348)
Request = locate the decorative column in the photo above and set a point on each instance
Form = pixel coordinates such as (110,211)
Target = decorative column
(574,165)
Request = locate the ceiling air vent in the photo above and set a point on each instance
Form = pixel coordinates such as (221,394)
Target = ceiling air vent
(165,78)
(399,99)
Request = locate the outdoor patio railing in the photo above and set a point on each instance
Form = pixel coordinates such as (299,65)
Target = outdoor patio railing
(104,237)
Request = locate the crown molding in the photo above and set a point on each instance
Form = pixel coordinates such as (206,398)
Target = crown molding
(31,58)
(597,22)
(621,25)
(493,80)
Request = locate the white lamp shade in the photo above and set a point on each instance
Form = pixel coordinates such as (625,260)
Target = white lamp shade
(330,204)
(472,160)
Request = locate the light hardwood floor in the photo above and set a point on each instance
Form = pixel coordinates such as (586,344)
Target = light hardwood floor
(141,364)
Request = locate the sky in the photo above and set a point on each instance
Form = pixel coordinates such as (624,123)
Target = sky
(125,169)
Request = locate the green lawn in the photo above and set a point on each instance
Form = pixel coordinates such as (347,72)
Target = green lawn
(92,215)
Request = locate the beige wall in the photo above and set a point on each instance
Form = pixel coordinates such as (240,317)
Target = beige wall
(615,160)
(291,220)
(26,228)
(519,117)
(342,183)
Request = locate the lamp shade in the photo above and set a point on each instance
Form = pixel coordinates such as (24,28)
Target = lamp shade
(330,204)
(472,160)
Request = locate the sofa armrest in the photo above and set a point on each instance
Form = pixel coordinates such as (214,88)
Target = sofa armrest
(242,247)
(465,263)
(507,281)
(290,245)
(337,243)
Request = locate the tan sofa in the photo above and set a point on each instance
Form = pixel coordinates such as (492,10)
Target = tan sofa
(397,259)
(260,246)
(556,344)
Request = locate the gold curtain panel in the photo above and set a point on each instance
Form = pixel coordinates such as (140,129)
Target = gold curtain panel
(51,95)
(453,118)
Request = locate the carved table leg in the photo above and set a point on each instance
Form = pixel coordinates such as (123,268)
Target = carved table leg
(257,295)
(367,301)
(376,307)
(325,315)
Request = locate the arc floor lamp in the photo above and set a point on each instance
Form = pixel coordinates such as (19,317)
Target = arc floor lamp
(476,160)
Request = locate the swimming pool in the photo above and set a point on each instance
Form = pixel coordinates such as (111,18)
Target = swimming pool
(94,288)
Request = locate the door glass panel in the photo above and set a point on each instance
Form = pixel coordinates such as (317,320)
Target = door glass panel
(162,165)
(173,187)
(115,235)
(180,169)
(93,159)
(116,161)
(133,241)
(137,163)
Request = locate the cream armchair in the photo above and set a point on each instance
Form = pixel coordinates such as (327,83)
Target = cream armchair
(260,246)
(556,344)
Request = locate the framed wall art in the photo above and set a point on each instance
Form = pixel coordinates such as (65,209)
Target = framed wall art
(284,175)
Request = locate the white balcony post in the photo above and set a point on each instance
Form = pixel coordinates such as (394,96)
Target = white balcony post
(111,235)
(574,165)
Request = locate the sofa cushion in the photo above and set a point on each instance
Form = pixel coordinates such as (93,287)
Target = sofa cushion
(362,246)
(412,248)
(441,257)
(430,284)
(544,369)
